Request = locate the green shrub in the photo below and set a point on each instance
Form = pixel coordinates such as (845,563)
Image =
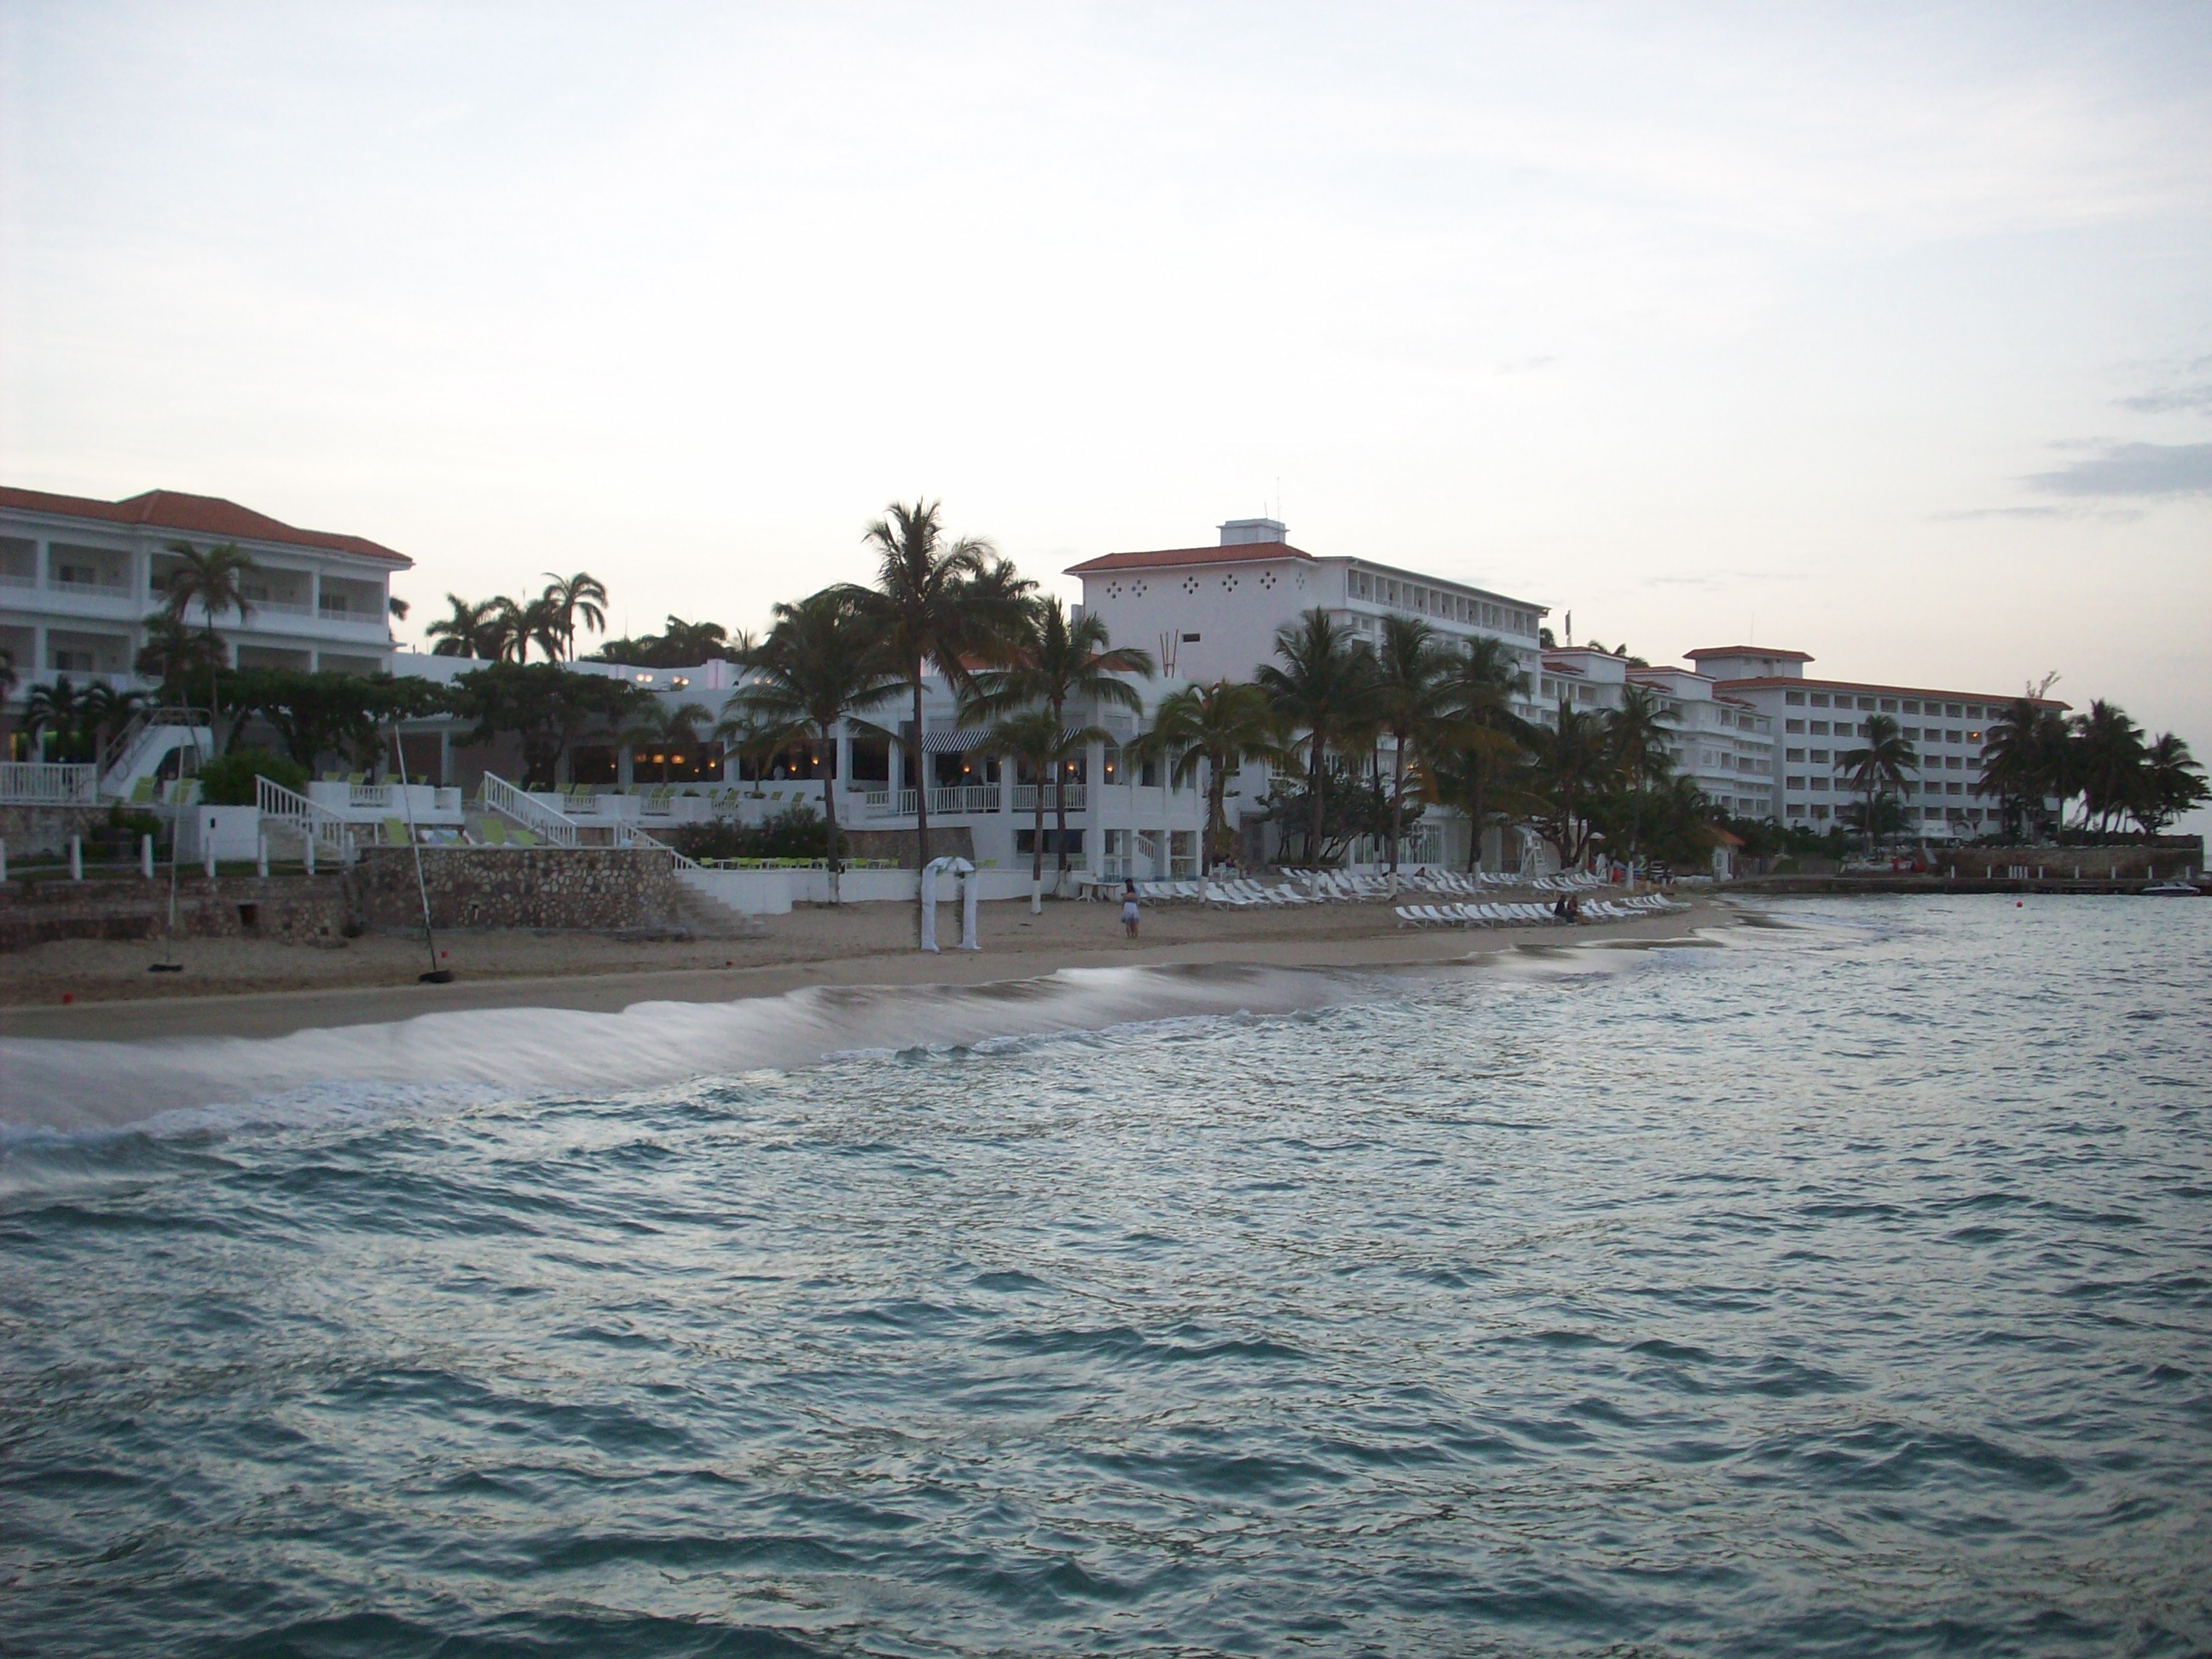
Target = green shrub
(797,832)
(229,782)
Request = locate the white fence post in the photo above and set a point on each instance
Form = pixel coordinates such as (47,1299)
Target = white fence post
(261,857)
(3,861)
(146,856)
(207,822)
(76,858)
(308,856)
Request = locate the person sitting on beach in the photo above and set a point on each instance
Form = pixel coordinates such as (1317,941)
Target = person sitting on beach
(1129,906)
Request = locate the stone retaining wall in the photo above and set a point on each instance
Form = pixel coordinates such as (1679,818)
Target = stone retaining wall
(33,832)
(585,888)
(955,840)
(131,907)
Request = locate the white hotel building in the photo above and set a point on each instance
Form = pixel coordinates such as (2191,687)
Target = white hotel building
(78,577)
(1819,719)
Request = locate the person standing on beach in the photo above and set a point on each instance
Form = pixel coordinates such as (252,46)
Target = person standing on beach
(1129,907)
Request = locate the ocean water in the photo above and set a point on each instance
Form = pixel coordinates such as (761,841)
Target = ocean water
(1839,1285)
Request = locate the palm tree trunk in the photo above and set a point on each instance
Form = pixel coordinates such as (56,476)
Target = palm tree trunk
(921,785)
(1397,799)
(1313,821)
(1036,855)
(829,815)
(1059,815)
(1217,814)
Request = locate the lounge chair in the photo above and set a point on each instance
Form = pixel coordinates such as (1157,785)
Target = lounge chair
(142,793)
(523,837)
(395,832)
(495,832)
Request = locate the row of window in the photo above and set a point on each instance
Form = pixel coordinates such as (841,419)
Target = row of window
(1819,785)
(1928,762)
(1928,814)
(1968,711)
(1434,602)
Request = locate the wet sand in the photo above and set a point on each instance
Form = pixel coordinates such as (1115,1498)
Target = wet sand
(100,990)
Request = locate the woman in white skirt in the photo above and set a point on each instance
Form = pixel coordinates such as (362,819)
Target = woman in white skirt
(1129,906)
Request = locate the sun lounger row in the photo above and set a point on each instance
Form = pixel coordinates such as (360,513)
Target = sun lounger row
(1525,913)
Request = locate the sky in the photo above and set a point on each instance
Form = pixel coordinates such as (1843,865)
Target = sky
(1883,333)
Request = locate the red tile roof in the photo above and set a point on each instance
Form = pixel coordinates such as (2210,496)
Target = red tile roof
(196,515)
(1748,651)
(1242,553)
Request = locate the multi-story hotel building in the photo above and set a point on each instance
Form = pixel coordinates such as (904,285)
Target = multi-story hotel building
(1211,613)
(1721,743)
(1818,720)
(78,577)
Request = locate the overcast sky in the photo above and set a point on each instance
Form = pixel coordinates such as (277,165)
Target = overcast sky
(1884,333)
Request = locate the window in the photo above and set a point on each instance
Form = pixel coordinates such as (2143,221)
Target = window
(1954,788)
(1864,703)
(1956,711)
(1820,757)
(1025,843)
(1819,728)
(1912,706)
(871,760)
(1820,811)
(1190,639)
(1793,755)
(1148,774)
(1889,705)
(1789,726)
(1797,809)
(1973,711)
(1794,699)
(1793,783)
(1820,783)
(1111,773)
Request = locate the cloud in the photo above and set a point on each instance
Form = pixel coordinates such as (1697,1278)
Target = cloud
(2135,469)
(2168,400)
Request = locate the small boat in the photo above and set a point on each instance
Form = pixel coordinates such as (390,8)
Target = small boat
(2172,889)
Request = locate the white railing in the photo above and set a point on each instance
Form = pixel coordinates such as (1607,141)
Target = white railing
(964,798)
(951,801)
(628,835)
(1025,796)
(309,820)
(371,796)
(48,783)
(140,746)
(513,803)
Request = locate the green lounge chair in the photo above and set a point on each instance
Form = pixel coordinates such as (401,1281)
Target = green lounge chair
(495,832)
(395,831)
(523,837)
(142,793)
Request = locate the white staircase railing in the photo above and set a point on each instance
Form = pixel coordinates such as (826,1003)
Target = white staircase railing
(48,783)
(534,816)
(628,835)
(138,749)
(289,810)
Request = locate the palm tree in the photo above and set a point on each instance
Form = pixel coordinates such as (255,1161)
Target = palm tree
(1638,731)
(814,671)
(58,708)
(1056,662)
(1877,767)
(1411,698)
(1224,725)
(1035,737)
(468,630)
(104,711)
(2172,784)
(1486,738)
(1323,688)
(2108,756)
(570,599)
(657,726)
(1571,761)
(216,581)
(934,604)
(2024,762)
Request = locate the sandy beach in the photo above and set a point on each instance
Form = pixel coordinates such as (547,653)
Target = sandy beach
(101,990)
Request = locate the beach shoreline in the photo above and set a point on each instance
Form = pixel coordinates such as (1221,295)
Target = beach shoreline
(99,991)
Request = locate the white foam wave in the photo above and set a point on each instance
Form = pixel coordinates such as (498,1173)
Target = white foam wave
(49,1086)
